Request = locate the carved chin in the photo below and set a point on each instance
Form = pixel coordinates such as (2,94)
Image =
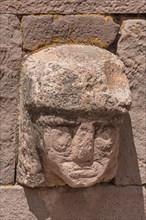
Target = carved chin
(78,176)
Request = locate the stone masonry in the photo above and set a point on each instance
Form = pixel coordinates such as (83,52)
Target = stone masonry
(72,110)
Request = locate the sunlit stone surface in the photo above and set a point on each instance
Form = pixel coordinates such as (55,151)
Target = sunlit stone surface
(73,98)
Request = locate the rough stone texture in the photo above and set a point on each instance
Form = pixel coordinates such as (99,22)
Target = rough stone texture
(88,29)
(132,51)
(75,77)
(132,156)
(37,31)
(72,6)
(99,202)
(10,54)
(72,101)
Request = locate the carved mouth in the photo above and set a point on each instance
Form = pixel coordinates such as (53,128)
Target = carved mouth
(83,174)
(76,172)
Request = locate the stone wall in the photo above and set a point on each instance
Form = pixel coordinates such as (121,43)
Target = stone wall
(117,26)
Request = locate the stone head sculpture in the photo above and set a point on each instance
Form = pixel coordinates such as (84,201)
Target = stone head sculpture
(73,98)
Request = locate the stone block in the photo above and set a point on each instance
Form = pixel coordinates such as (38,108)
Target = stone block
(132,51)
(105,202)
(132,156)
(81,29)
(37,31)
(72,7)
(10,55)
(73,98)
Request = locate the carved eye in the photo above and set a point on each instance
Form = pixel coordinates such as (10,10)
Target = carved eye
(105,131)
(104,140)
(58,139)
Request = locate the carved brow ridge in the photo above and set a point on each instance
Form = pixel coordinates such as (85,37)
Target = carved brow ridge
(56,120)
(59,121)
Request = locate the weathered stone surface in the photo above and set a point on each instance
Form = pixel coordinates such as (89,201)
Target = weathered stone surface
(10,55)
(72,101)
(98,202)
(37,31)
(132,51)
(94,30)
(72,7)
(75,77)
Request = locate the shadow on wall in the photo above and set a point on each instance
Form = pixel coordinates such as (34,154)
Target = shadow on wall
(128,169)
(100,202)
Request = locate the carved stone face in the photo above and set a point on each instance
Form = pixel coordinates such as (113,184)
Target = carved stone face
(81,150)
(72,103)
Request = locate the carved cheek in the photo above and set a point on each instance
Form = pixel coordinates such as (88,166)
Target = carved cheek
(57,140)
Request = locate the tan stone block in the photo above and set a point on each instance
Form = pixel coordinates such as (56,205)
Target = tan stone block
(73,98)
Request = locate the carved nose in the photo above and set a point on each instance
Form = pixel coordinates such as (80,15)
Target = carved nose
(82,143)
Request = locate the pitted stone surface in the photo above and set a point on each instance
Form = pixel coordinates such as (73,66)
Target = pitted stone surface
(132,51)
(72,101)
(72,7)
(10,58)
(76,77)
(87,29)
